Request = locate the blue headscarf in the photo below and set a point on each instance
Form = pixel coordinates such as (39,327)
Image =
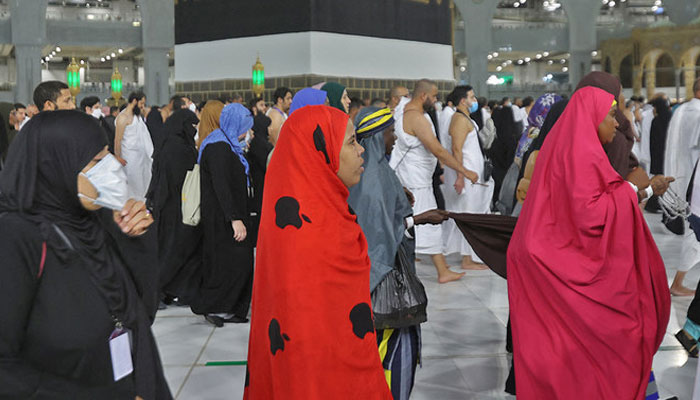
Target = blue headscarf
(235,120)
(307,97)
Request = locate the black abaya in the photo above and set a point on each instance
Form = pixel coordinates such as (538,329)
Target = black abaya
(226,279)
(179,245)
(657,141)
(64,286)
(260,148)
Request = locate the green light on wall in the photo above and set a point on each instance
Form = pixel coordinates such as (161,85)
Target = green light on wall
(73,77)
(258,78)
(116,85)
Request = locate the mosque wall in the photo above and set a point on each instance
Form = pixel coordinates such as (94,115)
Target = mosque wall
(369,44)
(318,53)
(362,88)
(645,47)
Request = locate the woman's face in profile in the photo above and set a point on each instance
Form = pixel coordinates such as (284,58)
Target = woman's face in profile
(85,187)
(350,163)
(606,129)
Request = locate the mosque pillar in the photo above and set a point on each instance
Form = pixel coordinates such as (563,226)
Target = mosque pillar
(582,16)
(157,75)
(681,12)
(28,26)
(478,39)
(689,81)
(651,80)
(637,80)
(158,38)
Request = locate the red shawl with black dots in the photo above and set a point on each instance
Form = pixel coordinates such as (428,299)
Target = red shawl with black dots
(312,334)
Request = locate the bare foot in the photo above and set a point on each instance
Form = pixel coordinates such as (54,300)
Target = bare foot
(449,276)
(681,291)
(474,266)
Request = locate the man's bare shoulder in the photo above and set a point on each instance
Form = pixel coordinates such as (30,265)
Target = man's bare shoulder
(414,121)
(276,117)
(124,118)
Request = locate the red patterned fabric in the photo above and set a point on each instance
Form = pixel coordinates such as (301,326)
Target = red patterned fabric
(588,292)
(312,334)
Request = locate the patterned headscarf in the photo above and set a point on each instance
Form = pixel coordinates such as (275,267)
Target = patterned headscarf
(536,118)
(541,108)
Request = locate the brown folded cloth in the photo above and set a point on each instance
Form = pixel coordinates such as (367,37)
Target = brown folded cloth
(489,236)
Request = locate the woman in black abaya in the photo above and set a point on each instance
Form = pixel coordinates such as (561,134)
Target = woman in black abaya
(226,281)
(64,289)
(179,245)
(260,148)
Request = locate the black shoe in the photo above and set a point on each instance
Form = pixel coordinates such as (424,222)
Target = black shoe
(214,320)
(689,343)
(236,320)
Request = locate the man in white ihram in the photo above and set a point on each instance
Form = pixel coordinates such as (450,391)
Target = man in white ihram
(414,159)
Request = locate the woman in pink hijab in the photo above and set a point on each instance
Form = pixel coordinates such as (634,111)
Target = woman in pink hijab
(588,310)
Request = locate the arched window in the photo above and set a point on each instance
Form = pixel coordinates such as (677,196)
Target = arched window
(665,71)
(627,72)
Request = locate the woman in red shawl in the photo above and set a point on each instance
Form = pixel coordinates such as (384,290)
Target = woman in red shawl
(312,334)
(588,310)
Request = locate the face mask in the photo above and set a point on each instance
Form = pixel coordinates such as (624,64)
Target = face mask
(192,107)
(473,108)
(97,113)
(109,178)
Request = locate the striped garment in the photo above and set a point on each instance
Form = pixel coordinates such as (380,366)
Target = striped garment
(399,350)
(652,390)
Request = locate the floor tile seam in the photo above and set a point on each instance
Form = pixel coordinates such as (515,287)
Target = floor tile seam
(464,380)
(505,325)
(189,373)
(466,356)
(456,308)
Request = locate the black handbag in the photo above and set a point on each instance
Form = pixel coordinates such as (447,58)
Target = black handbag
(674,224)
(399,301)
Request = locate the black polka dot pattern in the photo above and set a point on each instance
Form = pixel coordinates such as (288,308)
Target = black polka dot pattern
(320,143)
(287,213)
(361,318)
(277,338)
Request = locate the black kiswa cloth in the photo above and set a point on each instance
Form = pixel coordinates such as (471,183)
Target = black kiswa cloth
(489,236)
(39,183)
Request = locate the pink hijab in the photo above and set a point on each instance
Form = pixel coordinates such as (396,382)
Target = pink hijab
(588,309)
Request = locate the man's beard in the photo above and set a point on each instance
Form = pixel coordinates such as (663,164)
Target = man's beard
(137,110)
(428,107)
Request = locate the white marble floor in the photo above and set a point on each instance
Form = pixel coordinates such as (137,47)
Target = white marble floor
(463,341)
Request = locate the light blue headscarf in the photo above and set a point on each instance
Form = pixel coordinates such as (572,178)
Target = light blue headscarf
(307,97)
(235,120)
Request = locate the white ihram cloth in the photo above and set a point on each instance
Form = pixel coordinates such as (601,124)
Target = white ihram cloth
(137,150)
(682,152)
(475,199)
(647,118)
(415,165)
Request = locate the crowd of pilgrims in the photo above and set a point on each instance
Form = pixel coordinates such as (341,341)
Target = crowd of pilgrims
(314,210)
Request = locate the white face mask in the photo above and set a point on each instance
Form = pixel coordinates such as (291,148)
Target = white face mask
(109,178)
(97,113)
(192,107)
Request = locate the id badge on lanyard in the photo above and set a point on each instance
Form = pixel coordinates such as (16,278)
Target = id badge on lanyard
(120,350)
